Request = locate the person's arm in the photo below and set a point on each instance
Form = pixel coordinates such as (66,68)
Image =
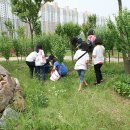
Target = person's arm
(87,59)
(54,68)
(75,56)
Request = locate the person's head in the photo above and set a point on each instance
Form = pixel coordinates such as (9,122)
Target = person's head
(98,41)
(91,32)
(79,41)
(38,46)
(53,60)
(83,46)
(51,57)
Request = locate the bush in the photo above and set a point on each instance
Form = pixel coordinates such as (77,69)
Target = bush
(122,88)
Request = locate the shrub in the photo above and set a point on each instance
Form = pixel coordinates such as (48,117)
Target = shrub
(122,88)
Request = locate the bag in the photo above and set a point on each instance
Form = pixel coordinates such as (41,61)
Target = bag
(90,44)
(40,59)
(54,75)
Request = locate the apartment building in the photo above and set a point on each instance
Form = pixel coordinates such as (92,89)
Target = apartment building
(52,15)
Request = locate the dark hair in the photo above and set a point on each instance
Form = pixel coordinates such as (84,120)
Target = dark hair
(38,46)
(91,32)
(51,57)
(84,46)
(79,41)
(74,41)
(53,60)
(98,41)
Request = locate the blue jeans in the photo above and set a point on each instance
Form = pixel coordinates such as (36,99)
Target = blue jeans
(40,69)
(81,75)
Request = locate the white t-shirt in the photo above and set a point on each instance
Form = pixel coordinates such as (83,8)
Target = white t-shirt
(31,57)
(98,51)
(81,63)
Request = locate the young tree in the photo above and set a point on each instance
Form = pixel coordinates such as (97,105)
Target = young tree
(124,35)
(28,12)
(10,27)
(70,30)
(58,46)
(90,24)
(121,29)
(5,46)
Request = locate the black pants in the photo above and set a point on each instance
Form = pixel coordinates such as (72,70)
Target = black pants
(31,66)
(98,72)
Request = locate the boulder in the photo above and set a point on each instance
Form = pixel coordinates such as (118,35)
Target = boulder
(10,91)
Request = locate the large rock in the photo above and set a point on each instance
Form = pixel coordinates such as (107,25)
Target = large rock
(10,91)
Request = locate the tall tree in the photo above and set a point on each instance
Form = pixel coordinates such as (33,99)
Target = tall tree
(122,28)
(28,12)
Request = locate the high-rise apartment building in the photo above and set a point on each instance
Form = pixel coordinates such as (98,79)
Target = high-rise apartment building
(52,15)
(6,14)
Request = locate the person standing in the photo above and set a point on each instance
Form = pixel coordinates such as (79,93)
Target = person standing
(40,61)
(30,61)
(98,59)
(90,42)
(82,58)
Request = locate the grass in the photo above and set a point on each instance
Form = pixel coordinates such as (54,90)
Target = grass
(59,106)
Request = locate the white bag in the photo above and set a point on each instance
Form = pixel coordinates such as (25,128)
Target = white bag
(40,59)
(54,75)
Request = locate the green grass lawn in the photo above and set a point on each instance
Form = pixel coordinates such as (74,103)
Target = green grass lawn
(59,106)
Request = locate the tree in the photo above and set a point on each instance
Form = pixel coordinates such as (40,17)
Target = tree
(70,30)
(28,12)
(121,31)
(90,24)
(58,46)
(108,38)
(37,28)
(5,46)
(124,34)
(10,27)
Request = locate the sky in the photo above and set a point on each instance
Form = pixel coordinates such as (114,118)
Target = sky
(99,7)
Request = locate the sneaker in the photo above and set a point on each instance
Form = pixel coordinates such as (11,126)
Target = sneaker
(102,80)
(96,83)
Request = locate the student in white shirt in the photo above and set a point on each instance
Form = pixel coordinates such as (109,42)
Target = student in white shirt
(40,61)
(98,59)
(30,61)
(81,63)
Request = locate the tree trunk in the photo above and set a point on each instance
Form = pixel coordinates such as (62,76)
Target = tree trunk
(109,56)
(120,5)
(31,31)
(126,60)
